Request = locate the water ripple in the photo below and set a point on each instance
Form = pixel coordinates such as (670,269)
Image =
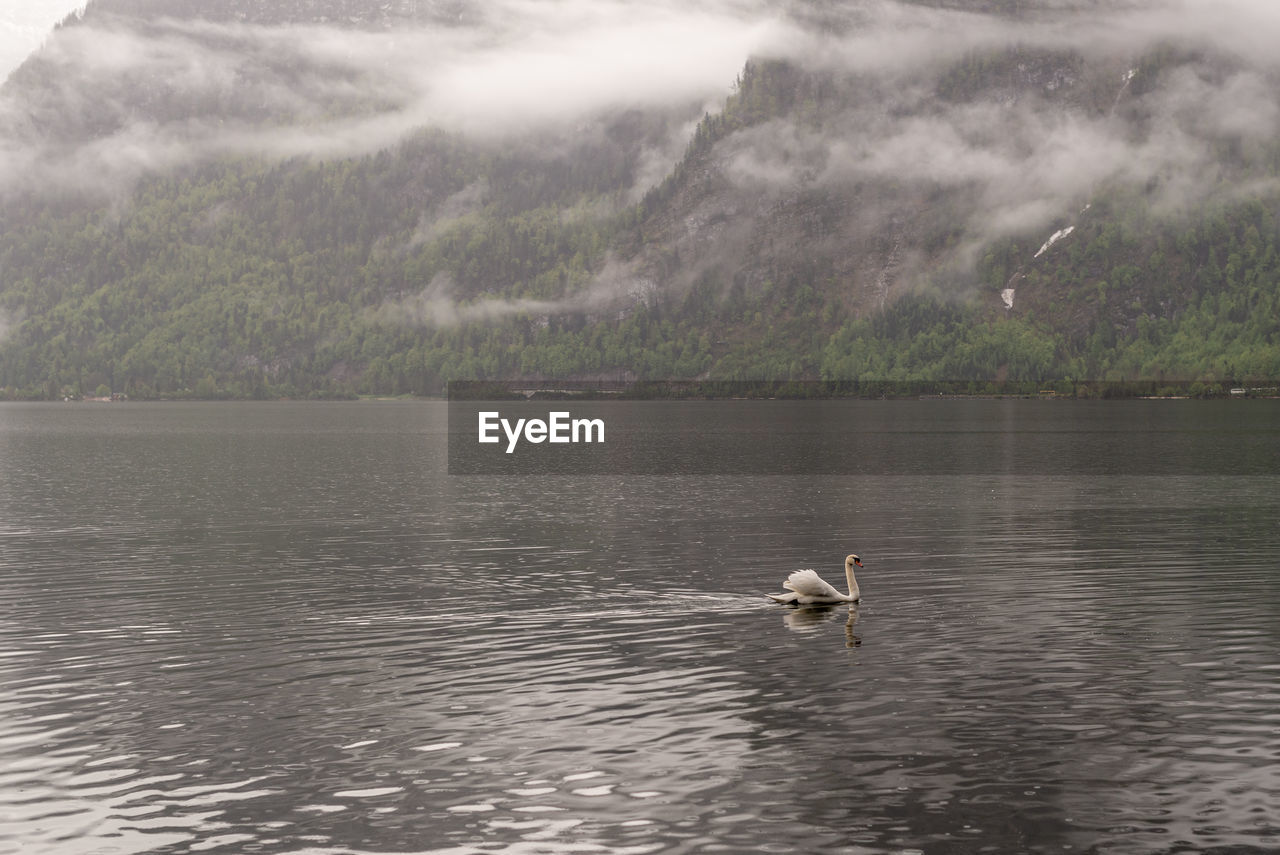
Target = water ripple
(310,655)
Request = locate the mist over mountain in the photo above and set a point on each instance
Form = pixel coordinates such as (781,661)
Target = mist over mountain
(323,197)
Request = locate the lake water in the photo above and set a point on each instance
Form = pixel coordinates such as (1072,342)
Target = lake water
(283,627)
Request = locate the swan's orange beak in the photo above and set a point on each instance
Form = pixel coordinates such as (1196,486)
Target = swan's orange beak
(857,561)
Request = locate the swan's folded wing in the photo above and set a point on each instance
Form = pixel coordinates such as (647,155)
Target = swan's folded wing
(807,583)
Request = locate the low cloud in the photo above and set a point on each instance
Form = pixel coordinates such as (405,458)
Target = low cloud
(437,306)
(1033,142)
(617,287)
(117,97)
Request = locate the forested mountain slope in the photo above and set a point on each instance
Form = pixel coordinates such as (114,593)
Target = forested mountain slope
(323,197)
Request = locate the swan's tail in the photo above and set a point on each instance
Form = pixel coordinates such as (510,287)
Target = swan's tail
(788,597)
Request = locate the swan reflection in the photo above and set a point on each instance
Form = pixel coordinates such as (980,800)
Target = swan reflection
(809,618)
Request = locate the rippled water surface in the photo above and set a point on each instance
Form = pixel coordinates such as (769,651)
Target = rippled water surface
(283,628)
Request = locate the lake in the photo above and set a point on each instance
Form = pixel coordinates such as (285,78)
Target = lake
(284,627)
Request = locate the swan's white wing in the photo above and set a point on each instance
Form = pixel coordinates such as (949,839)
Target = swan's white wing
(807,583)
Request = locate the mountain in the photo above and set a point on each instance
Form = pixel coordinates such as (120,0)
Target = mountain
(323,197)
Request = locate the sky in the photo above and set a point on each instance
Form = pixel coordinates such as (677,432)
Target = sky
(24,25)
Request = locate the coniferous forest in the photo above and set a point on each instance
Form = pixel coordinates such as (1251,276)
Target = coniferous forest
(1042,213)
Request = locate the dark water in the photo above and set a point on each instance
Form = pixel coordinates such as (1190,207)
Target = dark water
(283,628)
(849,437)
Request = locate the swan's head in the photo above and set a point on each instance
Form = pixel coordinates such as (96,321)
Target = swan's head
(852,560)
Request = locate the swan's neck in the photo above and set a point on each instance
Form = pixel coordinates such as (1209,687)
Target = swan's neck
(853,583)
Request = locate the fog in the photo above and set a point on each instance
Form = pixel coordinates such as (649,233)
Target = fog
(112,99)
(617,286)
(1037,153)
(25,26)
(149,95)
(116,98)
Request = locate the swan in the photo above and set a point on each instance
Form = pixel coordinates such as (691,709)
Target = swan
(807,588)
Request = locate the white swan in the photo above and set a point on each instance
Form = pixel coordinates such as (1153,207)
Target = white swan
(807,588)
